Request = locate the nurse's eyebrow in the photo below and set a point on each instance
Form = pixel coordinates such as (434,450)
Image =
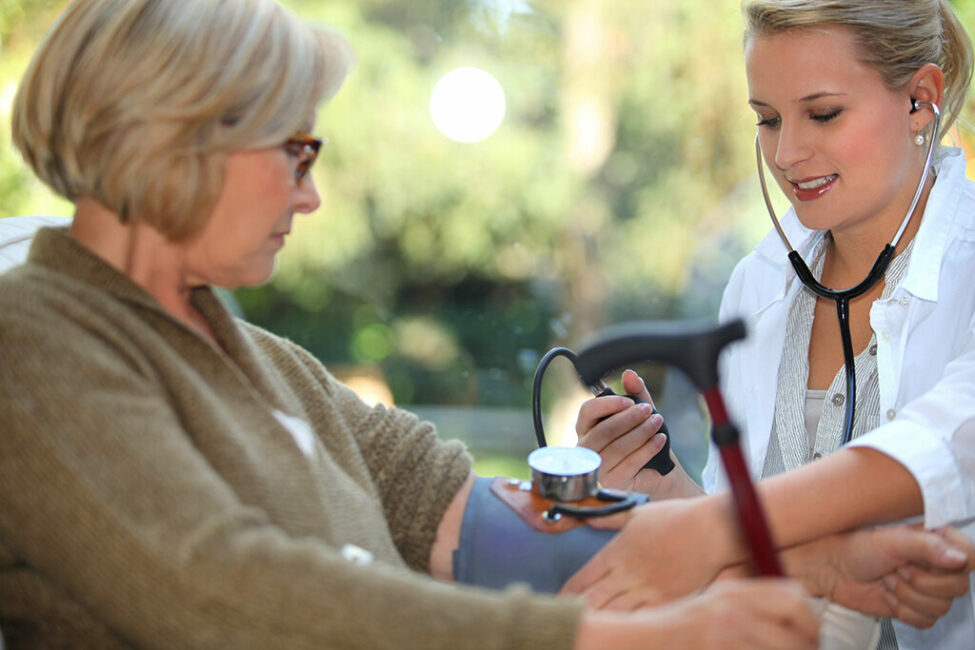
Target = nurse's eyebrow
(807,98)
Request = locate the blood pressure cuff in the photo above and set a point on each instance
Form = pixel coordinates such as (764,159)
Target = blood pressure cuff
(497,547)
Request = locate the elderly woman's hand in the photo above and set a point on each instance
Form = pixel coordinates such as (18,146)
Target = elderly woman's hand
(767,614)
(665,550)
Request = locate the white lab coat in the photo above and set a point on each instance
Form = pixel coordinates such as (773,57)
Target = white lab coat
(925,338)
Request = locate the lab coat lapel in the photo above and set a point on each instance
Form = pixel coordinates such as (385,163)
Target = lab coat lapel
(777,289)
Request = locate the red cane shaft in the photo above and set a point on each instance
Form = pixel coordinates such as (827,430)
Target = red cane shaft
(750,515)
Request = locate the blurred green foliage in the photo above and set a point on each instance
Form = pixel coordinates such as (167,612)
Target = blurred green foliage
(619,186)
(454,266)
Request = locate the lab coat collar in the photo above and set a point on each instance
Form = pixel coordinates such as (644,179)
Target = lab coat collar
(937,225)
(780,281)
(774,249)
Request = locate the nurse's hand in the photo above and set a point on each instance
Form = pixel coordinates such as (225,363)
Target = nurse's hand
(665,550)
(626,435)
(902,572)
(766,614)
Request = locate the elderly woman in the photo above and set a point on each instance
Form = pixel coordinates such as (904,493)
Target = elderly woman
(171,476)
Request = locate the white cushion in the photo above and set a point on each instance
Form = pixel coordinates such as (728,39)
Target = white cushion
(16,234)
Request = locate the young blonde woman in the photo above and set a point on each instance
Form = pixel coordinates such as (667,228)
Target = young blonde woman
(847,95)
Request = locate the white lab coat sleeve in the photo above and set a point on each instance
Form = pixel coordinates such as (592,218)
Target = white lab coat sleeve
(933,436)
(712,476)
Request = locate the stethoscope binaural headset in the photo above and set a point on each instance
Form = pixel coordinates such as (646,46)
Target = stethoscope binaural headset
(842,297)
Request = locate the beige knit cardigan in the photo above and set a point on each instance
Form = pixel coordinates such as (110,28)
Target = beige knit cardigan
(155,490)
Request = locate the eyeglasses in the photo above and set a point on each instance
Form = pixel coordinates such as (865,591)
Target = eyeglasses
(307,147)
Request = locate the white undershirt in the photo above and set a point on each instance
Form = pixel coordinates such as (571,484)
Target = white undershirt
(812,414)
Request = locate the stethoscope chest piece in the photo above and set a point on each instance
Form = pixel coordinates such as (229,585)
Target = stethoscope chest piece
(565,474)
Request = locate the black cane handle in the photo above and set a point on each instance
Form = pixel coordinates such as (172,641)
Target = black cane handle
(691,347)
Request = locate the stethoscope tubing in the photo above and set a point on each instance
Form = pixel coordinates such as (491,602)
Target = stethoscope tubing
(842,297)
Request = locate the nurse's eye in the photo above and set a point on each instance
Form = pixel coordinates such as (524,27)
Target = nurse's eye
(825,116)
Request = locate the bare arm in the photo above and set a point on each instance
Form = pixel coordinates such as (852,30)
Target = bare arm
(672,548)
(851,488)
(448,533)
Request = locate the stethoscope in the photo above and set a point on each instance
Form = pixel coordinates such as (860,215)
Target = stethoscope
(842,297)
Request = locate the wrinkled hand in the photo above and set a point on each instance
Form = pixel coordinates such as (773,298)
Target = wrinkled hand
(767,614)
(901,572)
(626,435)
(665,550)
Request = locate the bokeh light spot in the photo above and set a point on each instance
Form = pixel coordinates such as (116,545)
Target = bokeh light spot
(467,104)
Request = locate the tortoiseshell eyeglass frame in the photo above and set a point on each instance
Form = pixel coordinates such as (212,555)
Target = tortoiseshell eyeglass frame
(309,146)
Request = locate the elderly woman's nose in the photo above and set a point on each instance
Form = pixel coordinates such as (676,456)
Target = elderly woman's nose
(308,199)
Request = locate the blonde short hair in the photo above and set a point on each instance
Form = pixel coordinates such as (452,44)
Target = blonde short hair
(136,102)
(896,37)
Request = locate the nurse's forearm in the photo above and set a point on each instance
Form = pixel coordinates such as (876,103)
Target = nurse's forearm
(851,488)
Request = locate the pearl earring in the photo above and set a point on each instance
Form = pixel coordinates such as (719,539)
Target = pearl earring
(919,139)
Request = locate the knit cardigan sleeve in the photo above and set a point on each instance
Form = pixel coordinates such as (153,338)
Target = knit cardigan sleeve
(103,496)
(417,474)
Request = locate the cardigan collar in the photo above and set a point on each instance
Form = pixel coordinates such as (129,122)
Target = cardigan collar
(57,250)
(54,249)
